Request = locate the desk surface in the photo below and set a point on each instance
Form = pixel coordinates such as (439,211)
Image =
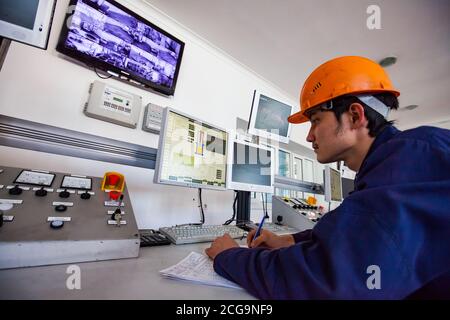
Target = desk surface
(137,278)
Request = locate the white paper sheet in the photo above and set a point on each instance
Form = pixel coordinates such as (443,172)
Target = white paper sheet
(198,268)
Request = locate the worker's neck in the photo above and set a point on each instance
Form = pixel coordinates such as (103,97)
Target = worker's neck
(356,155)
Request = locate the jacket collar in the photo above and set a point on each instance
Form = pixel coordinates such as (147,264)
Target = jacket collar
(384,136)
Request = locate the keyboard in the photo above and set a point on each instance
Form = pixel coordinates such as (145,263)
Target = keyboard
(200,233)
(151,237)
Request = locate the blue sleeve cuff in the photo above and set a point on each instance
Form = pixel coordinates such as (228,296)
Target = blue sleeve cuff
(302,236)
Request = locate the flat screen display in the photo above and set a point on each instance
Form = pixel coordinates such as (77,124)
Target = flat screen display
(110,37)
(191,153)
(268,118)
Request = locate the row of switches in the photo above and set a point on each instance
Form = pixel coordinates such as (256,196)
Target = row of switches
(42,193)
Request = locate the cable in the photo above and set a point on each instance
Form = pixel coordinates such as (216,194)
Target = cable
(234,210)
(201,206)
(267,215)
(101,77)
(262,199)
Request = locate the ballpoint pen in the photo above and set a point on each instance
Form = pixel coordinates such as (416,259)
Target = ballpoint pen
(258,231)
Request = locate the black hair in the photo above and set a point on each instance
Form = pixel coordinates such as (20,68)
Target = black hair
(376,122)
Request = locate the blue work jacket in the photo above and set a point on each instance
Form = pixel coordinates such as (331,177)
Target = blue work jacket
(389,239)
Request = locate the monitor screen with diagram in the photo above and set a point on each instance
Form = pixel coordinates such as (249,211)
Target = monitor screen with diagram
(191,152)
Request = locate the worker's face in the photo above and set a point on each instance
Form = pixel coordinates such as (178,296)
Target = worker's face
(330,140)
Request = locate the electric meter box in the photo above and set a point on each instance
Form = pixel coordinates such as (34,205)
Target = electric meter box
(113,105)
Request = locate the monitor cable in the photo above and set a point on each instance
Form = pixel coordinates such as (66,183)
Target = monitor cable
(233,218)
(96,72)
(202,213)
(264,204)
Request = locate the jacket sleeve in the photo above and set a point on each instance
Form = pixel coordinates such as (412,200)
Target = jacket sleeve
(302,236)
(334,263)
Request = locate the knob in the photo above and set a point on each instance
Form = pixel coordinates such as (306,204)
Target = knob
(56,224)
(114,215)
(85,196)
(41,192)
(64,194)
(15,191)
(1,218)
(61,208)
(279,218)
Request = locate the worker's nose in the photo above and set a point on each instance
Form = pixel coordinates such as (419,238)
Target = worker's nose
(310,137)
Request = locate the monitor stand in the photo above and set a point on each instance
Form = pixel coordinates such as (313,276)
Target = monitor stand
(243,207)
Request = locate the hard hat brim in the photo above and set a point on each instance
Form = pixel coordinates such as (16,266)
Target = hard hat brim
(298,117)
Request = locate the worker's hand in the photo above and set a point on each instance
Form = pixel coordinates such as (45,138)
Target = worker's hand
(221,244)
(269,240)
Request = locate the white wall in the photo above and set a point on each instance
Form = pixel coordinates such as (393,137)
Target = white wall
(44,87)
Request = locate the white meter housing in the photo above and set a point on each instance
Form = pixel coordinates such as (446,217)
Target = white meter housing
(113,105)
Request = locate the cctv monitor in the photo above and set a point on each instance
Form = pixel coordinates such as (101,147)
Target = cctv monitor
(27,21)
(108,36)
(268,118)
(250,167)
(191,152)
(332,185)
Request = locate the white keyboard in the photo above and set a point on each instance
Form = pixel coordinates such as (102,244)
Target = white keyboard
(200,233)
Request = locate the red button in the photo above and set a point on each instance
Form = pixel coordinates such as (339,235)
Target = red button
(114,195)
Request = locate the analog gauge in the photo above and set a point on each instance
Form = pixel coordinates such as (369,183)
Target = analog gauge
(39,178)
(74,182)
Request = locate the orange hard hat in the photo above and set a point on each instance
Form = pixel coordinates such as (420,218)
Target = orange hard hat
(338,77)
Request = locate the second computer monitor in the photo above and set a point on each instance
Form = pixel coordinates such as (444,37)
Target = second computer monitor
(191,152)
(268,118)
(250,167)
(332,184)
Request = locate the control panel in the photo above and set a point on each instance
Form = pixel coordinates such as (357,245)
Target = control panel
(52,218)
(294,212)
(152,118)
(113,105)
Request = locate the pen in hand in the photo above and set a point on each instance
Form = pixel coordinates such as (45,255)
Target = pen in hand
(258,231)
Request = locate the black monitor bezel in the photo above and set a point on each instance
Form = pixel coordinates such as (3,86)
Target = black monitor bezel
(101,65)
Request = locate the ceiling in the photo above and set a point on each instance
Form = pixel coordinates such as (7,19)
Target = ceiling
(284,40)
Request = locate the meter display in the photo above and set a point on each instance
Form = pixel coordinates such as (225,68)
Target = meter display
(74,182)
(39,178)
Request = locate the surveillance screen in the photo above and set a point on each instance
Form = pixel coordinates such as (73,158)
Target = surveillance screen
(105,32)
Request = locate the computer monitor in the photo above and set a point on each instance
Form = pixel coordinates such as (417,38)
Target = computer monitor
(27,21)
(268,118)
(250,167)
(191,152)
(332,184)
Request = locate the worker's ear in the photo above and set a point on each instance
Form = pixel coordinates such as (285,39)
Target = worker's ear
(357,117)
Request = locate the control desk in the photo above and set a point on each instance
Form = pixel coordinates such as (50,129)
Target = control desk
(54,218)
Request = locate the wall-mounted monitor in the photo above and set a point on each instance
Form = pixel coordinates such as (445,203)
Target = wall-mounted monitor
(104,35)
(268,118)
(27,21)
(250,167)
(191,152)
(332,184)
